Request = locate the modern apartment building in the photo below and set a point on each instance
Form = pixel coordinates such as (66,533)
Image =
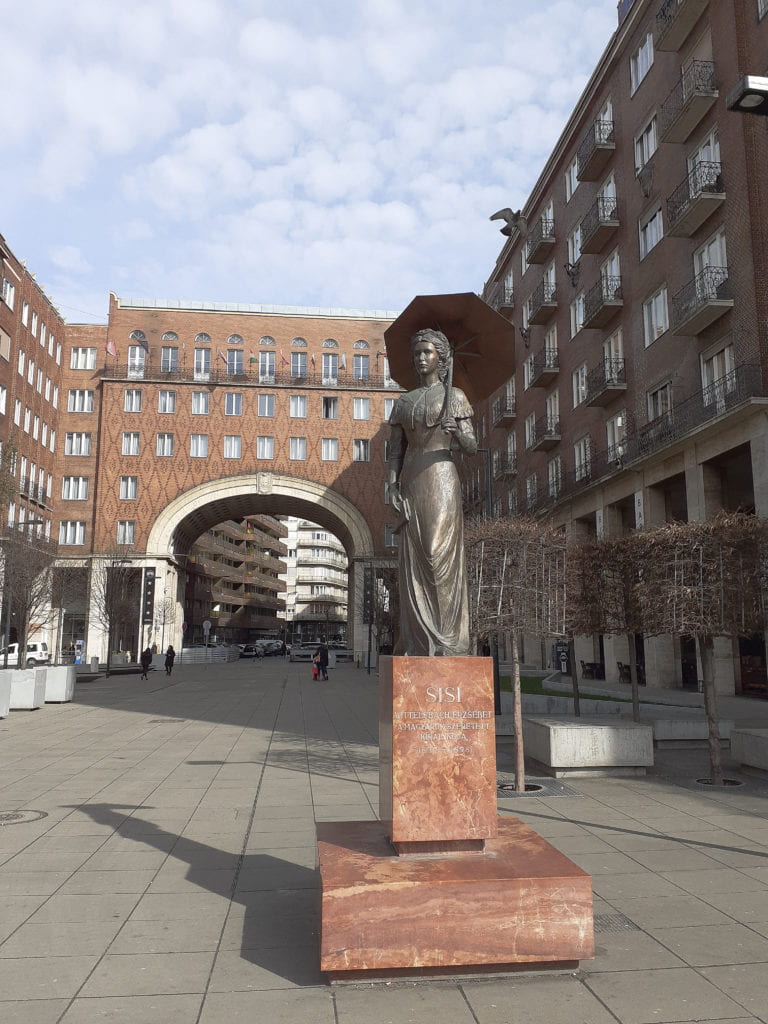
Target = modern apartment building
(315,581)
(636,280)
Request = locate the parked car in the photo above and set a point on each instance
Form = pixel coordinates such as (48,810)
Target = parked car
(37,654)
(273,647)
(251,651)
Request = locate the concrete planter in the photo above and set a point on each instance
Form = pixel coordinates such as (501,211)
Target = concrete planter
(588,746)
(750,748)
(27,688)
(59,683)
(5,694)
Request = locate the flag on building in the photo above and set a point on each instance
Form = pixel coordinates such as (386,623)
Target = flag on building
(222,355)
(344,360)
(111,347)
(312,360)
(283,360)
(252,356)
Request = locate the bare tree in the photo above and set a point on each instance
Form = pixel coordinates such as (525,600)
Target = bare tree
(115,595)
(165,615)
(29,560)
(517,581)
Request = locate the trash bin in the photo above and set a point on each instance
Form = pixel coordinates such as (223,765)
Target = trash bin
(561,658)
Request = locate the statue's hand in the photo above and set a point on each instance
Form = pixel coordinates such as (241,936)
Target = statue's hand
(450,426)
(395,497)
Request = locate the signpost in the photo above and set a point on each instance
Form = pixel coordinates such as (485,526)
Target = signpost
(206,634)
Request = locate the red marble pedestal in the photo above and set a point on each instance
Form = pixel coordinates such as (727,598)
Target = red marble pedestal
(520,902)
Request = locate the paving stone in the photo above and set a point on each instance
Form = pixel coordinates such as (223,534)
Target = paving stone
(32,1011)
(35,939)
(745,984)
(564,1000)
(131,974)
(254,969)
(629,951)
(647,997)
(714,880)
(43,977)
(715,945)
(154,1009)
(284,1006)
(651,912)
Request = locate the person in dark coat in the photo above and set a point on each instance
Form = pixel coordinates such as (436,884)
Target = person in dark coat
(146,661)
(170,656)
(322,655)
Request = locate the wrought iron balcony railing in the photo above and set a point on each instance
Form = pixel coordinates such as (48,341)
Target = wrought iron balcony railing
(503,410)
(701,301)
(541,240)
(500,295)
(542,303)
(693,95)
(595,150)
(704,182)
(674,21)
(599,222)
(602,300)
(251,376)
(544,363)
(605,379)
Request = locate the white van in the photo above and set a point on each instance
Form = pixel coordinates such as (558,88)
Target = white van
(37,654)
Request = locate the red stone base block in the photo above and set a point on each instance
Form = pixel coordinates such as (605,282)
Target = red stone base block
(519,902)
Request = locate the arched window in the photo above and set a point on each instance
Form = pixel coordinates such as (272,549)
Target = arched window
(202,338)
(170,336)
(235,339)
(330,343)
(139,336)
(361,344)
(266,340)
(299,343)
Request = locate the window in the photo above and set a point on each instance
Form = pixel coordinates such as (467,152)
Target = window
(130,442)
(330,368)
(80,401)
(574,245)
(581,458)
(615,435)
(711,254)
(236,339)
(530,430)
(27,419)
(640,62)
(164,445)
(166,401)
(129,488)
(577,314)
(74,488)
(3,399)
(299,343)
(200,339)
(77,443)
(9,292)
(571,179)
(232,446)
(126,531)
(297,448)
(361,409)
(361,450)
(201,403)
(613,357)
(330,343)
(298,407)
(202,366)
(531,490)
(527,372)
(39,382)
(82,358)
(579,385)
(655,316)
(169,359)
(25,314)
(330,407)
(554,476)
(390,537)
(132,401)
(71,532)
(265,447)
(298,362)
(35,427)
(22,362)
(198,446)
(389,404)
(659,402)
(266,405)
(651,232)
(52,445)
(266,367)
(136,360)
(233,403)
(48,383)
(552,406)
(43,332)
(646,144)
(330,449)
(55,399)
(30,371)
(717,376)
(361,367)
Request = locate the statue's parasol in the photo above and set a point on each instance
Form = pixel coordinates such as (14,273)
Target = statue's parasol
(482,342)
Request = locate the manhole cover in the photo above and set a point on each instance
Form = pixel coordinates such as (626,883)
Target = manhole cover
(534,786)
(530,787)
(20,817)
(614,923)
(726,782)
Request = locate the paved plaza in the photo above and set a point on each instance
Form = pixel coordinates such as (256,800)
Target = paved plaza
(161,867)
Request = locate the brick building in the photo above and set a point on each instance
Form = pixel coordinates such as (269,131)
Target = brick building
(635,278)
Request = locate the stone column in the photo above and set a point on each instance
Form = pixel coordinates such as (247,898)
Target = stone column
(758,448)
(662,665)
(703,489)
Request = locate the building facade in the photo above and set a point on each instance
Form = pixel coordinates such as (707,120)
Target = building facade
(635,279)
(316,583)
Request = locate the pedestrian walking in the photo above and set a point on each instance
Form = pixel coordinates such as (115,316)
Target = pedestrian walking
(322,658)
(146,661)
(170,656)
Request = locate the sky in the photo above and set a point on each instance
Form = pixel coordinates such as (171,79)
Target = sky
(342,153)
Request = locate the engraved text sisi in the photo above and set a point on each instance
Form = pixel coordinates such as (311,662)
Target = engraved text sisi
(446,727)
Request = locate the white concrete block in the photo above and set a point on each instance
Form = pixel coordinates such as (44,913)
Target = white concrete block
(681,726)
(5,694)
(27,690)
(750,747)
(546,704)
(59,683)
(588,746)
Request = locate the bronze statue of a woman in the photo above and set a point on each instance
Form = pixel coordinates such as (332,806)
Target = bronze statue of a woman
(425,491)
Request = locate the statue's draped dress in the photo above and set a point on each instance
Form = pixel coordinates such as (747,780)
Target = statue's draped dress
(434,616)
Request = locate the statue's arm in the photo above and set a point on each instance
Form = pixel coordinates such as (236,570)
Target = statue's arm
(397,445)
(465,436)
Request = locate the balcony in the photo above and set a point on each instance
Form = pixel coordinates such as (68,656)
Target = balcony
(547,434)
(542,303)
(602,302)
(505,468)
(702,301)
(600,224)
(500,296)
(503,412)
(541,241)
(595,151)
(688,102)
(605,381)
(544,368)
(675,21)
(250,377)
(696,199)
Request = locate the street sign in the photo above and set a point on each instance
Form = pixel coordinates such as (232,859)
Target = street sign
(207,626)
(149,596)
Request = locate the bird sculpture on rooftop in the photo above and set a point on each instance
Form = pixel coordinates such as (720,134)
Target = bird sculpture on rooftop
(513,219)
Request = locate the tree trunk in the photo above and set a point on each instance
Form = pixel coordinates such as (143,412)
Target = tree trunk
(707,652)
(633,679)
(517,718)
(574,680)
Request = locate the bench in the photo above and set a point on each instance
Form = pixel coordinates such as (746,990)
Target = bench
(587,746)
